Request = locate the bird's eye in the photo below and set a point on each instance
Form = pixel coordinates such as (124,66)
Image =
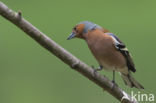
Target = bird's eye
(75,28)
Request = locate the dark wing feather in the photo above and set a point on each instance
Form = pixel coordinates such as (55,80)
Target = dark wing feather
(124,51)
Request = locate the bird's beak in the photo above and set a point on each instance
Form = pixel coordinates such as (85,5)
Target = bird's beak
(72,35)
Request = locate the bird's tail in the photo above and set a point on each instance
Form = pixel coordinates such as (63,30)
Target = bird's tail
(130,81)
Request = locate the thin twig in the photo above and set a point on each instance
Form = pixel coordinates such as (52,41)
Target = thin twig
(65,56)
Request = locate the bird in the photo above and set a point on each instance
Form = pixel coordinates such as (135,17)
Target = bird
(110,52)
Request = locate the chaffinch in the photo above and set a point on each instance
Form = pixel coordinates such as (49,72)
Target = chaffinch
(108,50)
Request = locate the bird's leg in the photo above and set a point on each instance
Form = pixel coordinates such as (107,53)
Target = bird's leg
(113,81)
(113,76)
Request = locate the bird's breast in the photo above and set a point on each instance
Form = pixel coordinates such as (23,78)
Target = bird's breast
(103,49)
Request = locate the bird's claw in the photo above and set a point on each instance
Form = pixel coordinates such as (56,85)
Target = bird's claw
(114,84)
(97,69)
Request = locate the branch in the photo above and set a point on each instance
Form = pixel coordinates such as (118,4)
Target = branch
(65,56)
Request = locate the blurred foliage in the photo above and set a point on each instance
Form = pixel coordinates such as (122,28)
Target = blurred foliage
(30,74)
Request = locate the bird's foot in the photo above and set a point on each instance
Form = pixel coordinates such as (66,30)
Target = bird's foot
(97,69)
(114,84)
(113,81)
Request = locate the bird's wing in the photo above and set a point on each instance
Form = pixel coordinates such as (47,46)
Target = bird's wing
(120,46)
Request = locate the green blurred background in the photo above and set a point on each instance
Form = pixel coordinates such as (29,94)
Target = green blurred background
(30,74)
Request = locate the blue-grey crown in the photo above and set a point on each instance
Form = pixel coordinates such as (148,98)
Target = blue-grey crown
(89,26)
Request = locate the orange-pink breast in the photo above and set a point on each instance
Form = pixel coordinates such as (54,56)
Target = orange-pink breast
(102,47)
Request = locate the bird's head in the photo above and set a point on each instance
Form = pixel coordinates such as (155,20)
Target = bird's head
(83,28)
